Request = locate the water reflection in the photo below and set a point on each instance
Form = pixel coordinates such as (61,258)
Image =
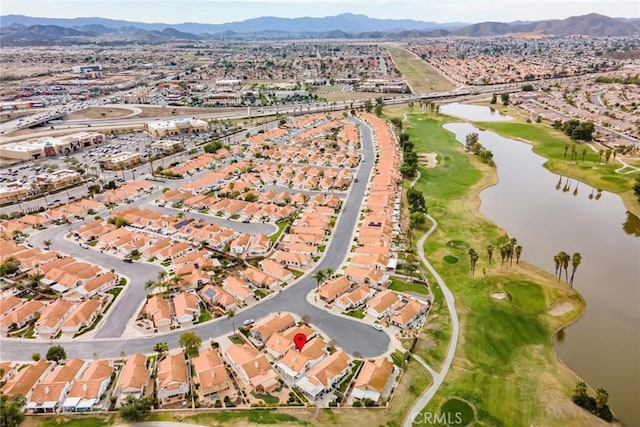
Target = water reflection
(632,225)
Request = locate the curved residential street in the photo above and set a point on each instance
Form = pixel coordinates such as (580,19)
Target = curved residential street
(438,377)
(352,335)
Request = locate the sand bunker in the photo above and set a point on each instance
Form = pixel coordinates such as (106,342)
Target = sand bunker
(498,295)
(429,160)
(561,308)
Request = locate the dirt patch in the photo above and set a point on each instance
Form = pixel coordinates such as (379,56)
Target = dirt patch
(99,113)
(169,111)
(429,160)
(498,295)
(561,308)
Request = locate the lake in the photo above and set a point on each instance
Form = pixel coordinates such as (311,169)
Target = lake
(548,213)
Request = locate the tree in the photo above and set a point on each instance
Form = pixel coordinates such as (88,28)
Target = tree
(580,390)
(563,260)
(494,98)
(473,258)
(471,140)
(9,266)
(518,252)
(134,409)
(161,348)
(47,244)
(417,218)
(319,277)
(212,147)
(601,397)
(378,110)
(504,97)
(368,106)
(191,342)
(11,414)
(556,259)
(636,188)
(576,259)
(566,147)
(230,314)
(490,252)
(35,357)
(56,353)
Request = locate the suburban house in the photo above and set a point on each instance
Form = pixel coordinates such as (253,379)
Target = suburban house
(83,315)
(160,311)
(274,269)
(373,378)
(278,343)
(295,363)
(19,318)
(85,394)
(238,288)
(319,379)
(355,298)
(252,367)
(22,383)
(333,288)
(409,314)
(134,378)
(214,295)
(49,393)
(382,304)
(262,330)
(211,376)
(259,246)
(172,380)
(52,316)
(186,307)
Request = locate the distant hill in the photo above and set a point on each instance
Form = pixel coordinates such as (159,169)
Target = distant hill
(594,25)
(348,22)
(20,29)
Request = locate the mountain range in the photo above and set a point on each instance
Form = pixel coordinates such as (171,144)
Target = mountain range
(20,29)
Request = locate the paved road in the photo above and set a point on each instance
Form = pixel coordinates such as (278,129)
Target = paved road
(296,191)
(351,335)
(438,377)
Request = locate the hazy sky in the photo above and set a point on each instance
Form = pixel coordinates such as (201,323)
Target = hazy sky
(219,11)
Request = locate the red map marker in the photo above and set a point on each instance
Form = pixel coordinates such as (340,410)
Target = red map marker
(300,340)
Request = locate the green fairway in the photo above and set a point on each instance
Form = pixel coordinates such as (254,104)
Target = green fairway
(505,346)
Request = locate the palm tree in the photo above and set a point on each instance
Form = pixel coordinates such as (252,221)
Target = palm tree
(556,259)
(328,272)
(513,242)
(503,254)
(230,314)
(47,244)
(518,251)
(473,258)
(320,276)
(600,153)
(576,259)
(566,147)
(564,264)
(490,252)
(559,184)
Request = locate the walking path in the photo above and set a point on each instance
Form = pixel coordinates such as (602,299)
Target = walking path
(438,377)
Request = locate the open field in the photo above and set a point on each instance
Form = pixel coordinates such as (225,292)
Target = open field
(99,113)
(420,76)
(549,143)
(505,367)
(338,95)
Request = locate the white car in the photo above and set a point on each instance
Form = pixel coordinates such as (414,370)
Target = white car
(248,322)
(377,327)
(84,246)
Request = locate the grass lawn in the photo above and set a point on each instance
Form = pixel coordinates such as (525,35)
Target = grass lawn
(296,273)
(258,293)
(401,286)
(421,76)
(549,143)
(71,421)
(256,416)
(204,316)
(236,339)
(266,398)
(505,366)
(358,314)
(281,227)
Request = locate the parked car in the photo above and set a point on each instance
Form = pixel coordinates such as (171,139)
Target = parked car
(248,322)
(377,327)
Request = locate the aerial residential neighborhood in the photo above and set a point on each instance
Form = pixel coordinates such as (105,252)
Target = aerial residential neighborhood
(242,219)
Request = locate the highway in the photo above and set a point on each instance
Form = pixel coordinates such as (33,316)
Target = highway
(352,335)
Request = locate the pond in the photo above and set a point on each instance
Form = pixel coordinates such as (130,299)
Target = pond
(548,213)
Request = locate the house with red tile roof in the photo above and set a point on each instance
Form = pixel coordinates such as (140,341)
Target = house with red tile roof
(263,329)
(373,379)
(24,381)
(355,297)
(214,295)
(409,314)
(382,304)
(172,379)
(239,288)
(211,376)
(134,378)
(186,307)
(274,269)
(19,318)
(333,288)
(52,316)
(49,393)
(252,367)
(83,315)
(159,309)
(295,363)
(319,379)
(85,393)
